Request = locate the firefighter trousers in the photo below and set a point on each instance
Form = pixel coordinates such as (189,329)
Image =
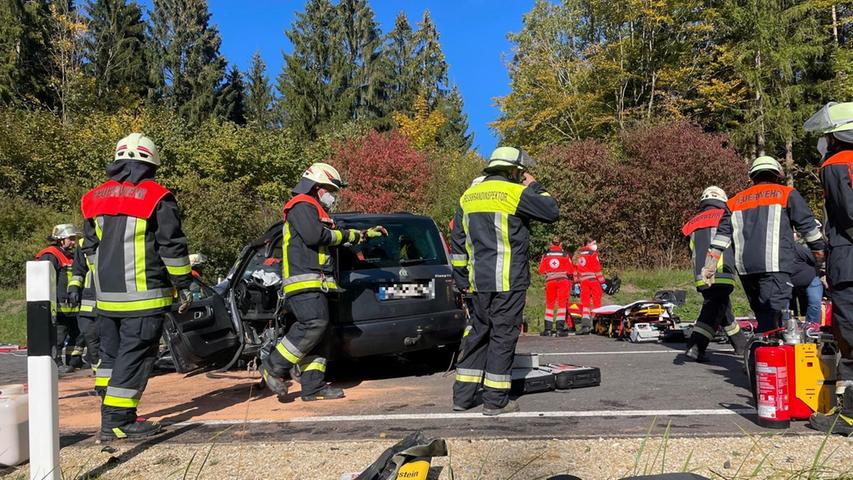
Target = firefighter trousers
(489,349)
(302,343)
(716,312)
(67,329)
(590,296)
(556,302)
(842,327)
(769,295)
(89,333)
(128,351)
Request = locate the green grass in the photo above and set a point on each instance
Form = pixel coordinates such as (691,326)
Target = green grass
(13,316)
(637,285)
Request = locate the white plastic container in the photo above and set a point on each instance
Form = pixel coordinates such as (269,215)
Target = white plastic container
(14,425)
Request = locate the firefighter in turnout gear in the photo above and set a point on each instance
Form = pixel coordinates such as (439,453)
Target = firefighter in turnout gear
(556,265)
(834,122)
(490,242)
(138,255)
(716,306)
(588,274)
(60,254)
(81,292)
(760,223)
(308,234)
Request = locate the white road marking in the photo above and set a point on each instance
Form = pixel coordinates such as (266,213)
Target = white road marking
(480,416)
(637,352)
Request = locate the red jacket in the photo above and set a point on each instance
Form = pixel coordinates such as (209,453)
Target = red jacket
(556,265)
(587,266)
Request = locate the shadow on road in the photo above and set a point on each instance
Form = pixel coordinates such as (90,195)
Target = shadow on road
(137,449)
(212,401)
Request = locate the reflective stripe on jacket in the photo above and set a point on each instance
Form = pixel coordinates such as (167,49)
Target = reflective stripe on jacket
(701,230)
(62,264)
(490,238)
(759,225)
(836,178)
(136,247)
(556,265)
(307,234)
(587,266)
(82,277)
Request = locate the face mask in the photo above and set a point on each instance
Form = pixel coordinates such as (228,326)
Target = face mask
(822,146)
(327,199)
(594,247)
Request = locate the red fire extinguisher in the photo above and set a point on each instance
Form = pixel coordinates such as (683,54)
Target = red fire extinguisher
(771,371)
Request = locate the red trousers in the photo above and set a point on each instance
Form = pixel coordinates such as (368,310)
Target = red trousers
(590,296)
(557,300)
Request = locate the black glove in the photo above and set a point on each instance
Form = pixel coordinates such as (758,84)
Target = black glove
(186,298)
(74,296)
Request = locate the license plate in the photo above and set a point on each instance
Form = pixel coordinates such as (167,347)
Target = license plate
(406,290)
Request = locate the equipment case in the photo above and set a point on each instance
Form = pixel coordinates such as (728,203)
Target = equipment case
(531,380)
(573,376)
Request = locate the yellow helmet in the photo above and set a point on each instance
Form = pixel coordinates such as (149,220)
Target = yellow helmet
(324,174)
(766,163)
(509,157)
(137,146)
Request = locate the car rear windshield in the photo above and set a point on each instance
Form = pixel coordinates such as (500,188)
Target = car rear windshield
(410,241)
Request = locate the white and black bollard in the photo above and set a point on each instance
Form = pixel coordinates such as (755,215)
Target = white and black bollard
(42,374)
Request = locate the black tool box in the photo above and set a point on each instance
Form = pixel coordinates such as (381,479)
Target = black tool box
(573,376)
(532,380)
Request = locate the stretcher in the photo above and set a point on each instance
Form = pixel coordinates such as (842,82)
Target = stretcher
(655,318)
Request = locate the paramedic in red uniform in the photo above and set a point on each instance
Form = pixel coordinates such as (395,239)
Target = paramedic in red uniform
(557,267)
(588,274)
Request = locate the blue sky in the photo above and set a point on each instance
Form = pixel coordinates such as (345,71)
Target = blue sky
(473,36)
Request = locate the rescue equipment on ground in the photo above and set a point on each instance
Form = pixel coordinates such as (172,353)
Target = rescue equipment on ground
(656,317)
(532,380)
(569,376)
(408,459)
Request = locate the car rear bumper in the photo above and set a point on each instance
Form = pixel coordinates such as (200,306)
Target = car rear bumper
(397,335)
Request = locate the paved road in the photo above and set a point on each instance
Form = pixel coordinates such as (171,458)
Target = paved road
(643,386)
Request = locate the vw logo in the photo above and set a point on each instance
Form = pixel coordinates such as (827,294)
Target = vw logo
(403,273)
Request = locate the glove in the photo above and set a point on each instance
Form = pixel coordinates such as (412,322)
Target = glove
(819,262)
(186,298)
(74,296)
(377,231)
(709,271)
(354,237)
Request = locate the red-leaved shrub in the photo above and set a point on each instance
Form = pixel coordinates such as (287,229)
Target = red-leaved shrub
(384,172)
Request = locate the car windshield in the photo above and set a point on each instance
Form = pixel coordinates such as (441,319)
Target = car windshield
(410,241)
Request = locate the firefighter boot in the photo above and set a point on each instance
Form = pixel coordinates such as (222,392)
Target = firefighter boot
(327,393)
(584,327)
(739,341)
(135,430)
(561,329)
(546,332)
(510,407)
(839,419)
(276,383)
(697,345)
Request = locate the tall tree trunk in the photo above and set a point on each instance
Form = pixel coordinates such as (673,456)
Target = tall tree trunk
(835,23)
(760,138)
(789,158)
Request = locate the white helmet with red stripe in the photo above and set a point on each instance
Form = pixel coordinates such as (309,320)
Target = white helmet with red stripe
(324,174)
(137,146)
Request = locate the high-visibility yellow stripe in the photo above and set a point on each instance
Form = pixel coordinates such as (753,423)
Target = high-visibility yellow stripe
(507,252)
(318,366)
(286,354)
(139,255)
(468,378)
(337,237)
(183,270)
(497,385)
(322,255)
(119,433)
(732,329)
(102,381)
(75,283)
(111,401)
(136,305)
(293,287)
(467,331)
(63,309)
(87,308)
(492,197)
(98,231)
(285,243)
(469,249)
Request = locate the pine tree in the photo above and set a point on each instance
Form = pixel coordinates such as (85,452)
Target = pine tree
(401,88)
(25,53)
(185,60)
(231,98)
(259,99)
(360,69)
(115,52)
(310,81)
(67,30)
(454,133)
(431,65)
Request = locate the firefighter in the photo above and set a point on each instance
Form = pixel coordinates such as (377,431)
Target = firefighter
(834,122)
(139,257)
(60,254)
(716,305)
(308,232)
(588,275)
(760,223)
(81,292)
(197,263)
(490,240)
(556,265)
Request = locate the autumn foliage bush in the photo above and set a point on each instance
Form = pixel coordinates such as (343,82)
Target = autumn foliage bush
(635,193)
(385,174)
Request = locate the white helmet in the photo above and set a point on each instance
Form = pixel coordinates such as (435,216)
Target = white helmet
(509,157)
(714,193)
(324,174)
(65,230)
(137,146)
(197,259)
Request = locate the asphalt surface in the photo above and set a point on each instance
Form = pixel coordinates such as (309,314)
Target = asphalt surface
(644,387)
